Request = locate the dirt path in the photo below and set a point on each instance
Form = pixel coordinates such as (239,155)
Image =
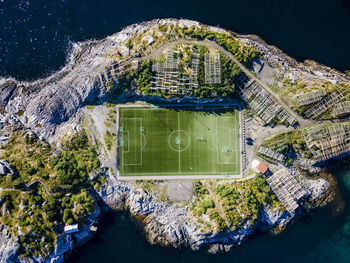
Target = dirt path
(218,205)
(261,133)
(28,186)
(156,54)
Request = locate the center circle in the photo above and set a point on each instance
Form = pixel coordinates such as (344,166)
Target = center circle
(179,140)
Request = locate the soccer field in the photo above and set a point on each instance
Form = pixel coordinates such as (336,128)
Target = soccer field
(161,142)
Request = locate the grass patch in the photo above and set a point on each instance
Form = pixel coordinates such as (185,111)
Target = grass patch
(156,141)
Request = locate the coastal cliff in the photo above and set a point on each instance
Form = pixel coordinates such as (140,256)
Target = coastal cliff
(171,224)
(53,108)
(48,103)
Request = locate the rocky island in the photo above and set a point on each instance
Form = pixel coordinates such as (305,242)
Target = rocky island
(69,149)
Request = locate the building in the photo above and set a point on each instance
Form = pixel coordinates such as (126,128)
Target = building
(69,229)
(259,167)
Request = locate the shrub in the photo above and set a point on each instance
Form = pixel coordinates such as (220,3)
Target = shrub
(68,218)
(199,189)
(75,163)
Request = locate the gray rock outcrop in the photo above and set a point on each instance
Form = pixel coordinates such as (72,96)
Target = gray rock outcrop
(7,88)
(46,105)
(6,168)
(171,224)
(8,246)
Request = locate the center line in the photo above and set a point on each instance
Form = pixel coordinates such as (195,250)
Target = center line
(178,132)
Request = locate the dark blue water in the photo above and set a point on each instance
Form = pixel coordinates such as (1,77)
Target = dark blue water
(36,36)
(320,237)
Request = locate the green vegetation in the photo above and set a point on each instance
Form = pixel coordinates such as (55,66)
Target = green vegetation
(29,156)
(129,44)
(290,89)
(154,141)
(236,202)
(74,165)
(20,113)
(241,51)
(229,75)
(110,139)
(289,144)
(200,189)
(140,81)
(38,213)
(144,77)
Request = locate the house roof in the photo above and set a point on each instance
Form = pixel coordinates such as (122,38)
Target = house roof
(262,168)
(71,228)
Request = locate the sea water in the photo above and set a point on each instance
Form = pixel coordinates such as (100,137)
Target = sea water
(35,40)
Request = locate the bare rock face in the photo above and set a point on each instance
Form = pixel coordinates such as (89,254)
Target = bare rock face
(8,246)
(64,244)
(6,168)
(278,59)
(47,103)
(7,88)
(62,96)
(114,193)
(85,234)
(271,218)
(172,225)
(3,169)
(317,188)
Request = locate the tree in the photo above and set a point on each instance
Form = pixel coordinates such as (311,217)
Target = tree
(52,209)
(129,45)
(68,216)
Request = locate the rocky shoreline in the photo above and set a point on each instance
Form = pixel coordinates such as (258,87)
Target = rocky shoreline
(78,82)
(171,224)
(51,107)
(166,224)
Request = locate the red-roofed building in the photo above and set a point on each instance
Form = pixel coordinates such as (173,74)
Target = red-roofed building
(259,167)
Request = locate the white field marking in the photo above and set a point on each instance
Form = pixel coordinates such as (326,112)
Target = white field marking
(240,140)
(140,119)
(178,133)
(123,141)
(184,174)
(189,173)
(213,139)
(144,144)
(179,150)
(217,149)
(170,108)
(236,177)
(239,152)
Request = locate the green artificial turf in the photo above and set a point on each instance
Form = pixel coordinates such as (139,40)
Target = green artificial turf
(158,141)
